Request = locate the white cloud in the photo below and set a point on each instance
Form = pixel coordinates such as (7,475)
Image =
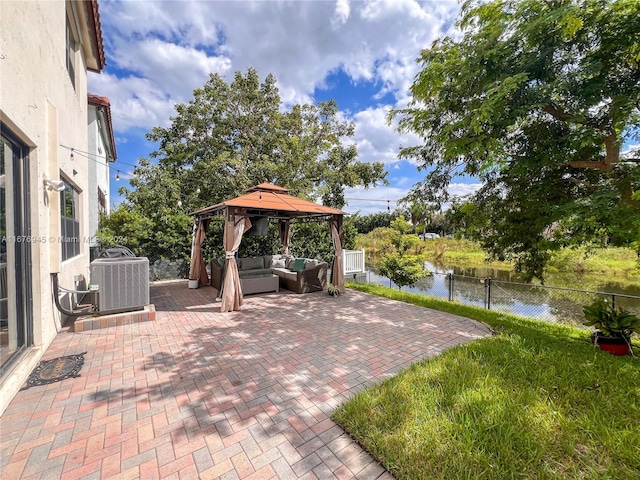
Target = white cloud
(172,46)
(373,200)
(166,63)
(461,189)
(377,199)
(135,101)
(377,141)
(341,13)
(158,52)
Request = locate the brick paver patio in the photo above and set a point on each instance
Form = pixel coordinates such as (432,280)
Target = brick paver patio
(201,394)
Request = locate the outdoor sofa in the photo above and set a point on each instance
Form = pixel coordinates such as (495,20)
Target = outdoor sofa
(299,275)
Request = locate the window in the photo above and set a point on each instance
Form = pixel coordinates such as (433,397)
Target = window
(69,223)
(102,201)
(71,54)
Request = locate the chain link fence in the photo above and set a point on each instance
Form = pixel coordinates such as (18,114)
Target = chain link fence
(552,304)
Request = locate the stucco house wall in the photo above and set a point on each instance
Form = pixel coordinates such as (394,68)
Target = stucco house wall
(40,105)
(101,153)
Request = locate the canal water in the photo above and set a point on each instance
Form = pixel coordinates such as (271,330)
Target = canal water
(560,300)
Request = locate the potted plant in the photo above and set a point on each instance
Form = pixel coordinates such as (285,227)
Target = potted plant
(614,326)
(333,290)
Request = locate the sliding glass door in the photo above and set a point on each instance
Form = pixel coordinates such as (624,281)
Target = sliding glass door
(16,319)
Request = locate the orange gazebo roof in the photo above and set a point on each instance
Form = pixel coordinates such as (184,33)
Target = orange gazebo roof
(270,200)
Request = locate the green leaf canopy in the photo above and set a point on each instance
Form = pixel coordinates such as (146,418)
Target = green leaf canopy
(536,99)
(229,138)
(233,136)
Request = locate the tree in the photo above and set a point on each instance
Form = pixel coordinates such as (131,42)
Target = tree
(126,227)
(367,223)
(232,136)
(421,215)
(401,268)
(402,237)
(536,99)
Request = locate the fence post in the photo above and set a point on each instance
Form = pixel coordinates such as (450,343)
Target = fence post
(450,278)
(613,301)
(487,293)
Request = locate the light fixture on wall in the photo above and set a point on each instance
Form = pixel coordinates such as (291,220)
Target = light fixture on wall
(55,185)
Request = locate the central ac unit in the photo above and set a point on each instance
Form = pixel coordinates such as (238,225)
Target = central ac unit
(122,283)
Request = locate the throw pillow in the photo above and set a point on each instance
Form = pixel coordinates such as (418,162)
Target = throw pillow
(278,263)
(298,265)
(221,261)
(289,263)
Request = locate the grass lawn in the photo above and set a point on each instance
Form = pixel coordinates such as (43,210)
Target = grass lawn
(535,401)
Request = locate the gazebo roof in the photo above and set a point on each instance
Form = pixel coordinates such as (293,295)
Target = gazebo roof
(270,200)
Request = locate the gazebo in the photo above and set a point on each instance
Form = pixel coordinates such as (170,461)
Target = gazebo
(264,201)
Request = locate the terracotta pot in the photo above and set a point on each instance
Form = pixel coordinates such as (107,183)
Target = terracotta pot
(614,345)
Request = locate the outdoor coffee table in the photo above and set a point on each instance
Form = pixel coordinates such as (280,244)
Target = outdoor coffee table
(259,284)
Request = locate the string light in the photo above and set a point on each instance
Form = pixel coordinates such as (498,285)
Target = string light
(101,159)
(118,176)
(348,199)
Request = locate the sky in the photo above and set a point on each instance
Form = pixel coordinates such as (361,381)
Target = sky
(361,54)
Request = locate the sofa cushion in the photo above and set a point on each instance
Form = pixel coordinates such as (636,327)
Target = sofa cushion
(310,263)
(293,276)
(298,265)
(255,272)
(281,272)
(252,263)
